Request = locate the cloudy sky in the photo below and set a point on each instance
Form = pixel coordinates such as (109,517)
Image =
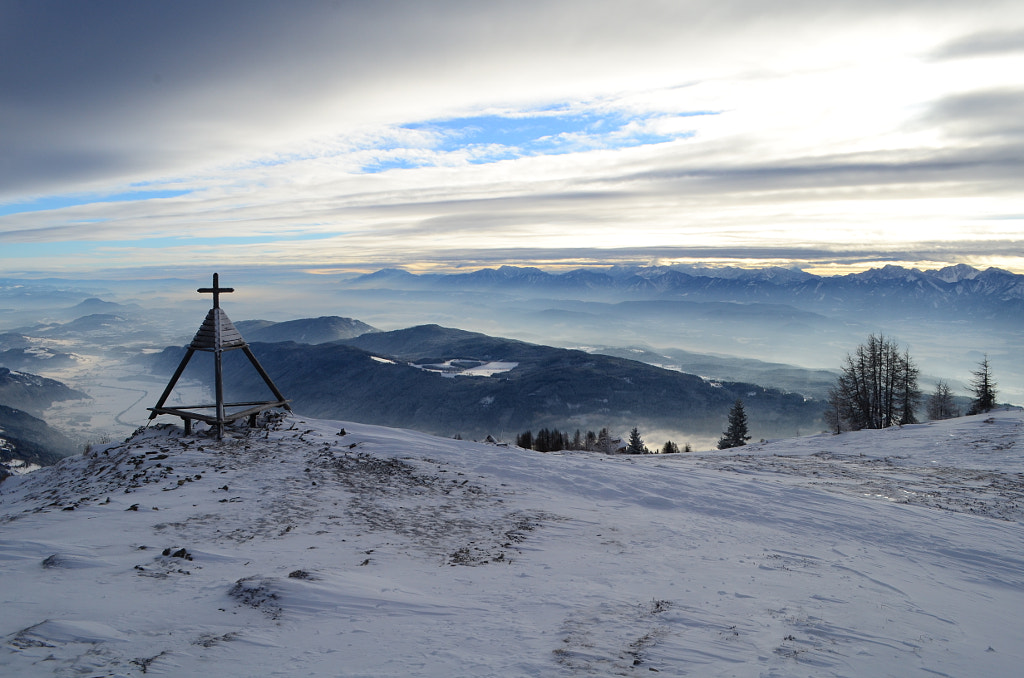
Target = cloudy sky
(337,136)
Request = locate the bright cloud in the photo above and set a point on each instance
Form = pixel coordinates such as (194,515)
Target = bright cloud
(343,134)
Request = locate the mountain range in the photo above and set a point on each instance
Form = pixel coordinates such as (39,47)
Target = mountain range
(29,441)
(993,294)
(812,383)
(725,284)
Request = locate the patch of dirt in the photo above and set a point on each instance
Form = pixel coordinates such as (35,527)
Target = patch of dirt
(613,638)
(458,520)
(258,593)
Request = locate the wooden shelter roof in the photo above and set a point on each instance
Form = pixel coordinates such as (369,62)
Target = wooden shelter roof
(217,333)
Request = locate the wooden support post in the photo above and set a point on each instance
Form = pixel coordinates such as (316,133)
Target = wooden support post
(172,382)
(264,375)
(219,388)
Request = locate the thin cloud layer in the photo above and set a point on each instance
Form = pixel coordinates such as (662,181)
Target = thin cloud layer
(986,43)
(341,134)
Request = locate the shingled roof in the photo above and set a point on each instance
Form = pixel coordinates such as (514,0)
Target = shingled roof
(217,333)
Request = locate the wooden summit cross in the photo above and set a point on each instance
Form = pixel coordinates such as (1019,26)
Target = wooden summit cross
(215,290)
(216,335)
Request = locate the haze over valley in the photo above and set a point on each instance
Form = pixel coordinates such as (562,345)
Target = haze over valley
(740,333)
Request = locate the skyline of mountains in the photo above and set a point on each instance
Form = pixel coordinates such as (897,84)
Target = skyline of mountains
(993,293)
(953,288)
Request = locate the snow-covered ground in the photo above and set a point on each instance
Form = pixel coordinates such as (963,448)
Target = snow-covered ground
(296,551)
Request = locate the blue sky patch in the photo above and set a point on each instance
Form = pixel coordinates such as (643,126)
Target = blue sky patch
(556,131)
(55,202)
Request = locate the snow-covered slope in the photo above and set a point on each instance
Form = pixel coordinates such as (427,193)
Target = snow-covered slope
(296,551)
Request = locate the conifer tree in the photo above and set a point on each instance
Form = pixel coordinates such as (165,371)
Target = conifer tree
(984,389)
(636,443)
(736,433)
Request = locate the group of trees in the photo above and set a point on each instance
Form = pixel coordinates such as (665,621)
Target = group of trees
(877,387)
(553,440)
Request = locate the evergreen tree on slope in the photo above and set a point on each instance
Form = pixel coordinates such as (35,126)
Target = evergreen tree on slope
(736,433)
(984,389)
(636,443)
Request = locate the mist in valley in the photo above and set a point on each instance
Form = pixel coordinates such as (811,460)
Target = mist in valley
(94,335)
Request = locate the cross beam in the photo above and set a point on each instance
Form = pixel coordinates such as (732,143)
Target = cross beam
(216,290)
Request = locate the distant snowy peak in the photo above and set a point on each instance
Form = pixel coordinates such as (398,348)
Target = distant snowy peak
(954,274)
(887,272)
(507,274)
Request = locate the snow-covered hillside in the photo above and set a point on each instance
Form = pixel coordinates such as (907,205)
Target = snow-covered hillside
(294,550)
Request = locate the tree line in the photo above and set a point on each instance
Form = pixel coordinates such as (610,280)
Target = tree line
(604,441)
(878,387)
(553,440)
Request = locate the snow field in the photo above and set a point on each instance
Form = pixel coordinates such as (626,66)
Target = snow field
(293,550)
